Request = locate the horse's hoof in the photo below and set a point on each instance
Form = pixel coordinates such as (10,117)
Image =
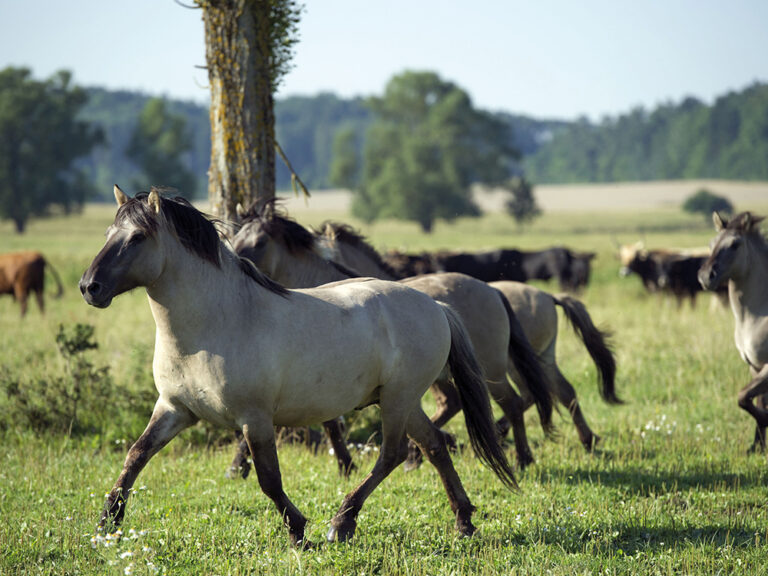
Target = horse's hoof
(591,443)
(525,460)
(411,465)
(342,533)
(301,543)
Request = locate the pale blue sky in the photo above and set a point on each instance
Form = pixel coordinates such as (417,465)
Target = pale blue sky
(543,58)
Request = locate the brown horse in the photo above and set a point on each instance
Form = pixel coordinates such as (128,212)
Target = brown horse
(293,255)
(535,310)
(22,273)
(740,258)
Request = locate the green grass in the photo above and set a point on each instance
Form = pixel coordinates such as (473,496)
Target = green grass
(670,490)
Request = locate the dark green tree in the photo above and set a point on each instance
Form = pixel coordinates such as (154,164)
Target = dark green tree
(344,169)
(522,204)
(705,202)
(158,144)
(425,148)
(41,139)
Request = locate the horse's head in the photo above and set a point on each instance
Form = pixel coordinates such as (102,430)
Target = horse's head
(147,233)
(131,256)
(628,256)
(730,248)
(271,240)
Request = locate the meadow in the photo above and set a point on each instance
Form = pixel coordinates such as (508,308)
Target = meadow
(669,490)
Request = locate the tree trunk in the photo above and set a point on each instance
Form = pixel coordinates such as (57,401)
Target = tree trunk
(242,115)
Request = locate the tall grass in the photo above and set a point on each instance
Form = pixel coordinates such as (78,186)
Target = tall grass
(670,489)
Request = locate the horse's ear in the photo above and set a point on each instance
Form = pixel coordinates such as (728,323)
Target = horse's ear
(154,200)
(240,211)
(749,221)
(120,196)
(719,222)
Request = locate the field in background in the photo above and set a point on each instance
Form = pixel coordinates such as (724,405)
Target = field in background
(671,489)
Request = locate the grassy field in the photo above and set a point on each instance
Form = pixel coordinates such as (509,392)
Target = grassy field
(671,489)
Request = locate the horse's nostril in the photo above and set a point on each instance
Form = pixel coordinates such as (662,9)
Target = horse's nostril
(93,288)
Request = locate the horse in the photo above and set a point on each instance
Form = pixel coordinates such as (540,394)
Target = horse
(294,256)
(536,313)
(22,273)
(739,257)
(240,350)
(511,264)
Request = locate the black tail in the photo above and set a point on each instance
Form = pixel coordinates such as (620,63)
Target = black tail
(56,278)
(469,381)
(529,367)
(597,343)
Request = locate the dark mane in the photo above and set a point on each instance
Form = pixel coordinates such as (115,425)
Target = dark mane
(744,223)
(196,231)
(348,235)
(281,227)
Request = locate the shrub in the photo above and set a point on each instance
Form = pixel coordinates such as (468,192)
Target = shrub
(705,202)
(84,399)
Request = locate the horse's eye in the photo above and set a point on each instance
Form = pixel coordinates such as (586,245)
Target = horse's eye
(135,238)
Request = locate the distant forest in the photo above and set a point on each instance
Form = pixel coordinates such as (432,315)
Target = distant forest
(728,140)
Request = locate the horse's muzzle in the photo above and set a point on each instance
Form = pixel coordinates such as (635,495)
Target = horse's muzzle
(708,278)
(94,293)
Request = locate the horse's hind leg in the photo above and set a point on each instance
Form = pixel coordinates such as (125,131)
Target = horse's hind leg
(391,454)
(432,443)
(567,397)
(514,411)
(448,405)
(260,435)
(166,422)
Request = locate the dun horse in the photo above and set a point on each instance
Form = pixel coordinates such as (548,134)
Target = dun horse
(740,258)
(241,351)
(292,255)
(535,310)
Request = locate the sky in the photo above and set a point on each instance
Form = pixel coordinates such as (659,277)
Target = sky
(542,58)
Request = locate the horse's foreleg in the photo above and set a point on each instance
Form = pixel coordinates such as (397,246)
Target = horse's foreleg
(432,443)
(260,436)
(166,422)
(240,466)
(336,436)
(756,388)
(391,454)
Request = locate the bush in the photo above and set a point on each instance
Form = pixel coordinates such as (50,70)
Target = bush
(705,202)
(522,204)
(82,400)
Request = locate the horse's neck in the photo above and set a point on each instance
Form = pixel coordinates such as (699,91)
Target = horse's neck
(356,259)
(307,271)
(748,294)
(193,299)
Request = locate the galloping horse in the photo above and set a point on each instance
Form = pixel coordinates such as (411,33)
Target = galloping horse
(740,258)
(292,255)
(536,313)
(241,351)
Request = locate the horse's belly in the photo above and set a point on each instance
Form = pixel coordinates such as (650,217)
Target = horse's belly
(314,397)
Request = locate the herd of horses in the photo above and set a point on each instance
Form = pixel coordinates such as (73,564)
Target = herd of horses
(266,323)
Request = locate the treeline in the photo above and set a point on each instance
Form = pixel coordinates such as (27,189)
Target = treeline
(306,127)
(728,140)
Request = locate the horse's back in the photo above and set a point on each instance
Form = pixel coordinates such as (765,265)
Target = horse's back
(534,308)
